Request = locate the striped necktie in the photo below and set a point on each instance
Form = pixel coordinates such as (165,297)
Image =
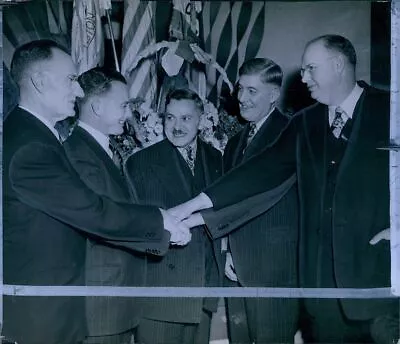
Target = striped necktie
(252,132)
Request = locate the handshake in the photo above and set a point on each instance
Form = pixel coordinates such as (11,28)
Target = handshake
(180,219)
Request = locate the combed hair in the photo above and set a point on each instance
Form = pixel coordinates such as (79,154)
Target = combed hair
(269,71)
(339,44)
(26,55)
(185,93)
(97,81)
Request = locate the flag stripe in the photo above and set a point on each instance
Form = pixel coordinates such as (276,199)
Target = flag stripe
(257,8)
(220,13)
(255,37)
(139,34)
(233,32)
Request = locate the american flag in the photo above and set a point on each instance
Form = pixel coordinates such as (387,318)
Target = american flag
(31,21)
(139,32)
(232,32)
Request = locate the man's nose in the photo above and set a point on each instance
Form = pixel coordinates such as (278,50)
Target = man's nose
(305,76)
(78,91)
(178,124)
(241,96)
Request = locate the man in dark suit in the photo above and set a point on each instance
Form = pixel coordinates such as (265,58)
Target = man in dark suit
(49,211)
(165,174)
(343,180)
(102,112)
(272,236)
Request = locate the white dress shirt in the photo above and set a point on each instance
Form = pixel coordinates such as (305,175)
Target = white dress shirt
(262,121)
(348,105)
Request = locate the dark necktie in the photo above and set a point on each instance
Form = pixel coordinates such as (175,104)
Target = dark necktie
(116,156)
(190,158)
(250,135)
(252,132)
(338,122)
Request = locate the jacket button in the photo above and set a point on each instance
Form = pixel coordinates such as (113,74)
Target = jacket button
(171,266)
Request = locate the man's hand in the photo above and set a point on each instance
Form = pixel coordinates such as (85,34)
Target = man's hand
(184,210)
(382,235)
(194,220)
(229,268)
(180,233)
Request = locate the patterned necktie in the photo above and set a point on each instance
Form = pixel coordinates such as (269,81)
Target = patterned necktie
(116,156)
(338,122)
(252,132)
(190,158)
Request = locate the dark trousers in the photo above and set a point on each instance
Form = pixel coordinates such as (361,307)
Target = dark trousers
(323,321)
(262,320)
(162,332)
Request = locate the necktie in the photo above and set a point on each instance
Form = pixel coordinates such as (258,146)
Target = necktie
(338,122)
(116,156)
(252,132)
(190,158)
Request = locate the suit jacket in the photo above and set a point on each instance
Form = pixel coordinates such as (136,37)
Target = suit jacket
(105,264)
(272,236)
(361,197)
(48,213)
(160,176)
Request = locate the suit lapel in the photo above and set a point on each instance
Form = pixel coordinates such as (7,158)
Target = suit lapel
(173,172)
(364,132)
(241,146)
(267,134)
(205,167)
(109,167)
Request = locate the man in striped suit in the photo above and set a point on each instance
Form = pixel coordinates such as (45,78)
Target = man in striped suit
(166,174)
(262,252)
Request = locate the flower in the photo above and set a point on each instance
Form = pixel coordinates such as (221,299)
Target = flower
(145,125)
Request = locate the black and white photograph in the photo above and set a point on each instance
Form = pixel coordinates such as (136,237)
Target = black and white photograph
(200,172)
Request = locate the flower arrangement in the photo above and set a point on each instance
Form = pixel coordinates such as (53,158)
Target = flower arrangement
(145,128)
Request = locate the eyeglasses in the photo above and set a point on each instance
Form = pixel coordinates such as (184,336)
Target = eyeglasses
(311,68)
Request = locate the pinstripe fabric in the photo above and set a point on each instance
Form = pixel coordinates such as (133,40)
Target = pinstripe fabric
(161,177)
(139,32)
(105,264)
(264,250)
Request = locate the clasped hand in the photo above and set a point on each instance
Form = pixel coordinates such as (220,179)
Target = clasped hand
(180,233)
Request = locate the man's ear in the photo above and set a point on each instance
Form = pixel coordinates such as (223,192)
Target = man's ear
(39,81)
(96,105)
(339,63)
(275,94)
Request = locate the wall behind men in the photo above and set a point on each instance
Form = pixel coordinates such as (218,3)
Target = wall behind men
(290,25)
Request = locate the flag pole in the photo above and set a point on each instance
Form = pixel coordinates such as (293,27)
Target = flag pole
(112,40)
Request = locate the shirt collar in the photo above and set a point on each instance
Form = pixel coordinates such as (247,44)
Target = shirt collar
(183,150)
(348,105)
(42,119)
(102,139)
(260,122)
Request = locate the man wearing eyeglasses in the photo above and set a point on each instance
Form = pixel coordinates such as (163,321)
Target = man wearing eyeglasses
(343,180)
